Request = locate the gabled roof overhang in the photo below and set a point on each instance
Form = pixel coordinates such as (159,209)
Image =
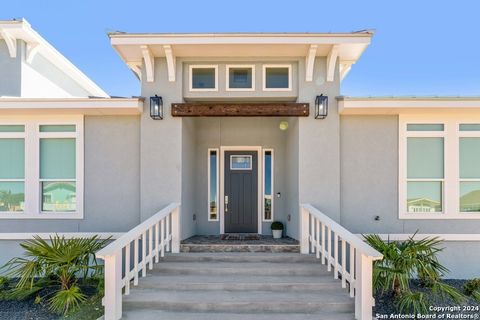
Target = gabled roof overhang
(13,30)
(407,105)
(85,106)
(142,48)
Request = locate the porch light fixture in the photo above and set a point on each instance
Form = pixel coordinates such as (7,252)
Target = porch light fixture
(321,107)
(156,108)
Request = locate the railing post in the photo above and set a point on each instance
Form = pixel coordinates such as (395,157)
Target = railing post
(176,230)
(304,231)
(364,288)
(113,286)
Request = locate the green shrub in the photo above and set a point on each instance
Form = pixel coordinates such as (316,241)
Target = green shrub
(471,286)
(276,225)
(57,265)
(404,260)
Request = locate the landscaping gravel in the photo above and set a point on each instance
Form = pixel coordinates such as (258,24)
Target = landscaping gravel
(385,304)
(25,310)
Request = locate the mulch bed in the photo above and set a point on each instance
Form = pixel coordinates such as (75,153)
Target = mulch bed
(385,304)
(25,310)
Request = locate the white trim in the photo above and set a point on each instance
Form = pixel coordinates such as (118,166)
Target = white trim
(408,105)
(67,235)
(94,106)
(272,182)
(149,61)
(171,62)
(136,67)
(264,76)
(258,149)
(32,164)
(451,180)
(344,68)
(310,62)
(442,236)
(332,62)
(11,43)
(202,66)
(239,66)
(217,151)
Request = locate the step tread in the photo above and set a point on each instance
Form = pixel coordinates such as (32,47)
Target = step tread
(139,314)
(237,279)
(240,265)
(237,297)
(241,257)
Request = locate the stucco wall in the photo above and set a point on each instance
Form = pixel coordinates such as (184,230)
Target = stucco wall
(369,181)
(319,145)
(111,181)
(292,159)
(10,75)
(189,176)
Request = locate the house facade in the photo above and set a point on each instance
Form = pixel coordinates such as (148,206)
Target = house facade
(244,140)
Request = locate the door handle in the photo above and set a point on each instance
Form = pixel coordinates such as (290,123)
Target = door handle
(226,203)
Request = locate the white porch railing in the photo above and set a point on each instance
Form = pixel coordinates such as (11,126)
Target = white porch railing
(157,235)
(348,255)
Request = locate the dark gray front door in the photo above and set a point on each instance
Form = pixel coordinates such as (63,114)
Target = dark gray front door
(241,192)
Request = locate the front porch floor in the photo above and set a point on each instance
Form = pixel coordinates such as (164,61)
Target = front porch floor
(239,243)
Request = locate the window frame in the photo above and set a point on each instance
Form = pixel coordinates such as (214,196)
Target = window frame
(264,76)
(451,180)
(16,135)
(272,183)
(465,134)
(202,66)
(239,66)
(33,196)
(217,169)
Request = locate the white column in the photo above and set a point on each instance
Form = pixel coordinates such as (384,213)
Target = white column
(176,230)
(113,286)
(304,236)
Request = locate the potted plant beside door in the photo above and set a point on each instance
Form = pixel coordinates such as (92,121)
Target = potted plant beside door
(277,229)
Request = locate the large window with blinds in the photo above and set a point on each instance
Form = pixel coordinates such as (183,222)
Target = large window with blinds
(41,168)
(439,175)
(12,169)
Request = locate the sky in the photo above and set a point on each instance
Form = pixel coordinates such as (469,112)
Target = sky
(420,47)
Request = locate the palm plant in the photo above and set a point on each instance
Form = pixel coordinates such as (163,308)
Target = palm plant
(57,264)
(406,260)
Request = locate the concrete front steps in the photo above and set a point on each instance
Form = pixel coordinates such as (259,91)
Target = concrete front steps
(234,286)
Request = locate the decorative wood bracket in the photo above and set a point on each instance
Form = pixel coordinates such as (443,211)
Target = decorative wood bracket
(310,62)
(240,109)
(331,62)
(32,50)
(11,43)
(170,62)
(149,63)
(345,67)
(136,67)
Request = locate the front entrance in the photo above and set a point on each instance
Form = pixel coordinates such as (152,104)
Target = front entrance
(240,191)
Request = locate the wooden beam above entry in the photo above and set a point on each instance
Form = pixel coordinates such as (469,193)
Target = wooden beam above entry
(240,109)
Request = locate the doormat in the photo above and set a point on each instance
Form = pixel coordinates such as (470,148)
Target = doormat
(239,237)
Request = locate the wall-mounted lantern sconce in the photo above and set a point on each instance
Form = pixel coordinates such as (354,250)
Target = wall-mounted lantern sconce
(321,107)
(156,108)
